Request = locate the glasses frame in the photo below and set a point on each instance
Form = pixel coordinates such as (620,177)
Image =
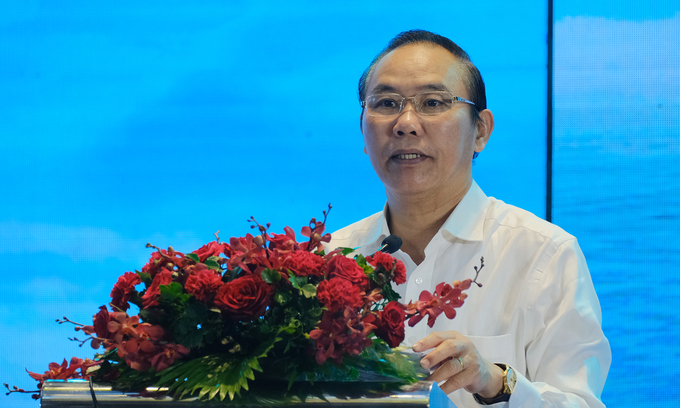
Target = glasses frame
(455,99)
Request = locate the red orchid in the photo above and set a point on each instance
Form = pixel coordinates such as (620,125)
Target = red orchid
(64,370)
(170,353)
(284,243)
(445,299)
(315,234)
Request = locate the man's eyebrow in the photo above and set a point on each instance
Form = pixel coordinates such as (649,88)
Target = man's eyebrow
(384,88)
(380,88)
(435,87)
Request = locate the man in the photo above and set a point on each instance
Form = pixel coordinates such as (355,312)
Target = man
(531,335)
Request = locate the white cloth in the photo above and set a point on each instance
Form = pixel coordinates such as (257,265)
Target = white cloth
(537,310)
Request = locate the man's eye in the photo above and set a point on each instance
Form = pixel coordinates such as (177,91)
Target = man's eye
(432,103)
(387,103)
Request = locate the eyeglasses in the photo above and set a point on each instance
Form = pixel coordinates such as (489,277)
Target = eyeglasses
(427,103)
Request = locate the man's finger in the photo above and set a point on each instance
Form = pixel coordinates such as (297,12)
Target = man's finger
(434,339)
(448,348)
(446,370)
(458,381)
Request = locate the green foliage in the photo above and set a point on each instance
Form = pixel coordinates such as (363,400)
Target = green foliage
(213,376)
(212,263)
(308,290)
(347,251)
(193,257)
(186,329)
(297,281)
(210,376)
(283,296)
(271,276)
(361,261)
(173,292)
(389,294)
(146,277)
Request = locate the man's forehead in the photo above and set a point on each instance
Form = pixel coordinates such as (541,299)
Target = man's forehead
(416,67)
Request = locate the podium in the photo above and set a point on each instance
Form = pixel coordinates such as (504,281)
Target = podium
(78,394)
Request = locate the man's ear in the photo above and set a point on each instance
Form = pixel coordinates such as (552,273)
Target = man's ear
(484,129)
(361,128)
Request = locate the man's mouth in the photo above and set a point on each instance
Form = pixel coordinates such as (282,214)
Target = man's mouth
(407,156)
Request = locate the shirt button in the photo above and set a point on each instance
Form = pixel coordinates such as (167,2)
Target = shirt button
(418,281)
(412,340)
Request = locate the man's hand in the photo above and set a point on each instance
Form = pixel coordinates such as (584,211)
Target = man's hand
(475,374)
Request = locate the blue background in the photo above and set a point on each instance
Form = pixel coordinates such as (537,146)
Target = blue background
(616,181)
(164,122)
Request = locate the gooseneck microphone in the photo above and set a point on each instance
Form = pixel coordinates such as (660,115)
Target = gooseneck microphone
(390,244)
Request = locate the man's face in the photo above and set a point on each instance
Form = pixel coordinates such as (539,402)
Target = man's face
(415,154)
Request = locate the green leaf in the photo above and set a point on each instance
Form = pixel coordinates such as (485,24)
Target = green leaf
(146,277)
(389,294)
(173,291)
(297,281)
(213,265)
(353,373)
(193,257)
(347,251)
(368,269)
(308,290)
(233,273)
(283,296)
(270,276)
(185,327)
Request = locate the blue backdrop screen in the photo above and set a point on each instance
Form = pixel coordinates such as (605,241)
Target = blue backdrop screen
(617,180)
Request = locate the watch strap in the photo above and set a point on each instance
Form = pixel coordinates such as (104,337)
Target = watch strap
(509,381)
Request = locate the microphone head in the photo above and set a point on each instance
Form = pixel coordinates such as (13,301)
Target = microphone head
(391,244)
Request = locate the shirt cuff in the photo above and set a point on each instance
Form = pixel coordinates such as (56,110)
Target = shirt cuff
(525,394)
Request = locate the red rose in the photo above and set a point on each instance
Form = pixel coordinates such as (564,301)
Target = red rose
(387,261)
(304,263)
(245,297)
(211,249)
(337,294)
(391,327)
(164,277)
(204,285)
(342,267)
(123,289)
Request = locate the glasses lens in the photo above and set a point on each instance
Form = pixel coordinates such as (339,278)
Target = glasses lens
(433,103)
(385,104)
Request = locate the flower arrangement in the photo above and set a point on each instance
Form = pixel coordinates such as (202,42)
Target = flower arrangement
(209,320)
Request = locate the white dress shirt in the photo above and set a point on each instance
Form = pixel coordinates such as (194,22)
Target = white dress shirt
(536,311)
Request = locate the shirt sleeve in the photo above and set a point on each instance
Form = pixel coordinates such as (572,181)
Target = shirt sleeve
(569,356)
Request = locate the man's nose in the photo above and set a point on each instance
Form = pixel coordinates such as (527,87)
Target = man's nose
(408,121)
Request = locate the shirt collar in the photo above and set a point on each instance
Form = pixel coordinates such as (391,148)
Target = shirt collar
(466,222)
(379,231)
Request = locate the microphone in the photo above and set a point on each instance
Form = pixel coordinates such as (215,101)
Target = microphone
(390,244)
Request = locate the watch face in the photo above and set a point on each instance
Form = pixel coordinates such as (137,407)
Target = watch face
(511,380)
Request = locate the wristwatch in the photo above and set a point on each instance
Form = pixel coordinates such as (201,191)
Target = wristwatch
(509,381)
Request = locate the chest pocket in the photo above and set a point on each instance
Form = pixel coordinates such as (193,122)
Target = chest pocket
(498,349)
